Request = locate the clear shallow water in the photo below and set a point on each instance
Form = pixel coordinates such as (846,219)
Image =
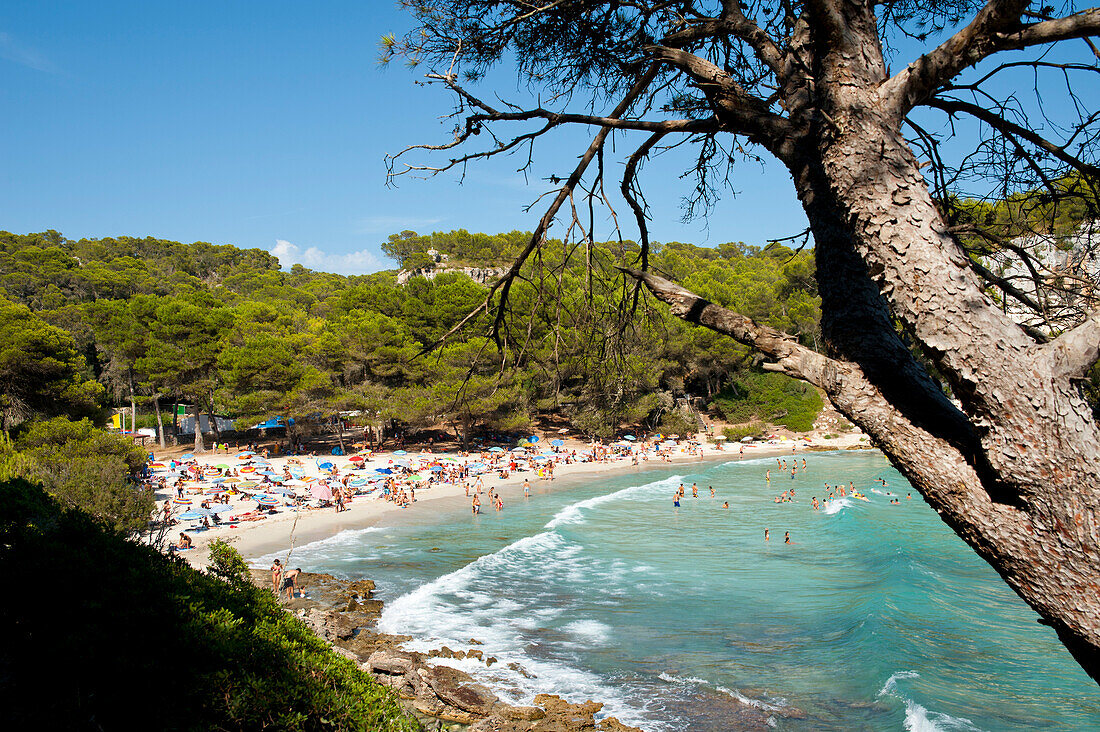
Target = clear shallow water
(878,617)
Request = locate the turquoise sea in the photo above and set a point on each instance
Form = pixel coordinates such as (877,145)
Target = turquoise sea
(877,617)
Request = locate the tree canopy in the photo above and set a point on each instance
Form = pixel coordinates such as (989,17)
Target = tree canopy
(886,116)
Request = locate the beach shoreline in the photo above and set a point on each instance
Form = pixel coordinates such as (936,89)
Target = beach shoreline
(278,533)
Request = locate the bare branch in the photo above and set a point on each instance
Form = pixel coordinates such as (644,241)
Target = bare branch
(739,111)
(504,284)
(954,106)
(995,28)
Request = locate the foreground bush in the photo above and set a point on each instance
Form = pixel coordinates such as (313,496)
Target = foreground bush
(103,633)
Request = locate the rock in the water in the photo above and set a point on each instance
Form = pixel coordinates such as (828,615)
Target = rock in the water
(458,690)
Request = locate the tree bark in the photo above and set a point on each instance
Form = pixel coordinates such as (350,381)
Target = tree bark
(1015,472)
(160,421)
(133,402)
(199,447)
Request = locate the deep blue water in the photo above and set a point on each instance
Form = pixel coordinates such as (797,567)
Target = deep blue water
(877,617)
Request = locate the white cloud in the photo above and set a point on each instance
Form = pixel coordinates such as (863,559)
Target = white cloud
(352,263)
(24,55)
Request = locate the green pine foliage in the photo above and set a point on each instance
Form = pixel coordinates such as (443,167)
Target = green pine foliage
(770,397)
(111,635)
(226,330)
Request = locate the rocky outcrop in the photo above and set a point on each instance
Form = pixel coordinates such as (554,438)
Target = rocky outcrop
(344,613)
(480,275)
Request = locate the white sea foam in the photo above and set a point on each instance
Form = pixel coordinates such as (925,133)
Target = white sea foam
(574,512)
(591,632)
(836,505)
(917,717)
(526,630)
(334,548)
(734,693)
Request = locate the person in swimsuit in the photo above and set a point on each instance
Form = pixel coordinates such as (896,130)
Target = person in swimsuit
(276,576)
(787,538)
(290,581)
(766,535)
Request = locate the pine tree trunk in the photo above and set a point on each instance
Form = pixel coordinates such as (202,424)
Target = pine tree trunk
(1016,471)
(160,421)
(199,447)
(133,401)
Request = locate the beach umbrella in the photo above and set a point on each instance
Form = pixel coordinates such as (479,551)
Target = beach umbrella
(533,438)
(268,501)
(557,443)
(383,471)
(181,501)
(191,516)
(248,484)
(400,452)
(244,455)
(437,468)
(222,466)
(746,439)
(214,491)
(496,449)
(631,438)
(719,438)
(356,482)
(356,458)
(222,508)
(282,491)
(188,456)
(321,491)
(518,449)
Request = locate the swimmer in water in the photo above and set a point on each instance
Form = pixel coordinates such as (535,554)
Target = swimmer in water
(787,538)
(725,504)
(712,491)
(766,536)
(815,502)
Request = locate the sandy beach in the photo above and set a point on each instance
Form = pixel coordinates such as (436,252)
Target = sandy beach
(289,527)
(295,527)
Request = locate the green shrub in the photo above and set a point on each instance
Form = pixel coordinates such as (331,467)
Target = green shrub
(82,467)
(770,397)
(115,635)
(736,433)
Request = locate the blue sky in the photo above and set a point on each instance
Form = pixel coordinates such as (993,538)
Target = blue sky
(265,125)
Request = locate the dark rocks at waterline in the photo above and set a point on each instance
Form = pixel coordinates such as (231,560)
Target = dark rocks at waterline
(343,613)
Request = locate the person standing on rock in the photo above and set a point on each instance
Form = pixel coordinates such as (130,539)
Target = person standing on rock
(289,582)
(276,576)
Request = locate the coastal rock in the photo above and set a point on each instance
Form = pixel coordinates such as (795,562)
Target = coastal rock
(562,716)
(458,689)
(521,670)
(391,662)
(372,608)
(364,588)
(490,724)
(329,624)
(525,714)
